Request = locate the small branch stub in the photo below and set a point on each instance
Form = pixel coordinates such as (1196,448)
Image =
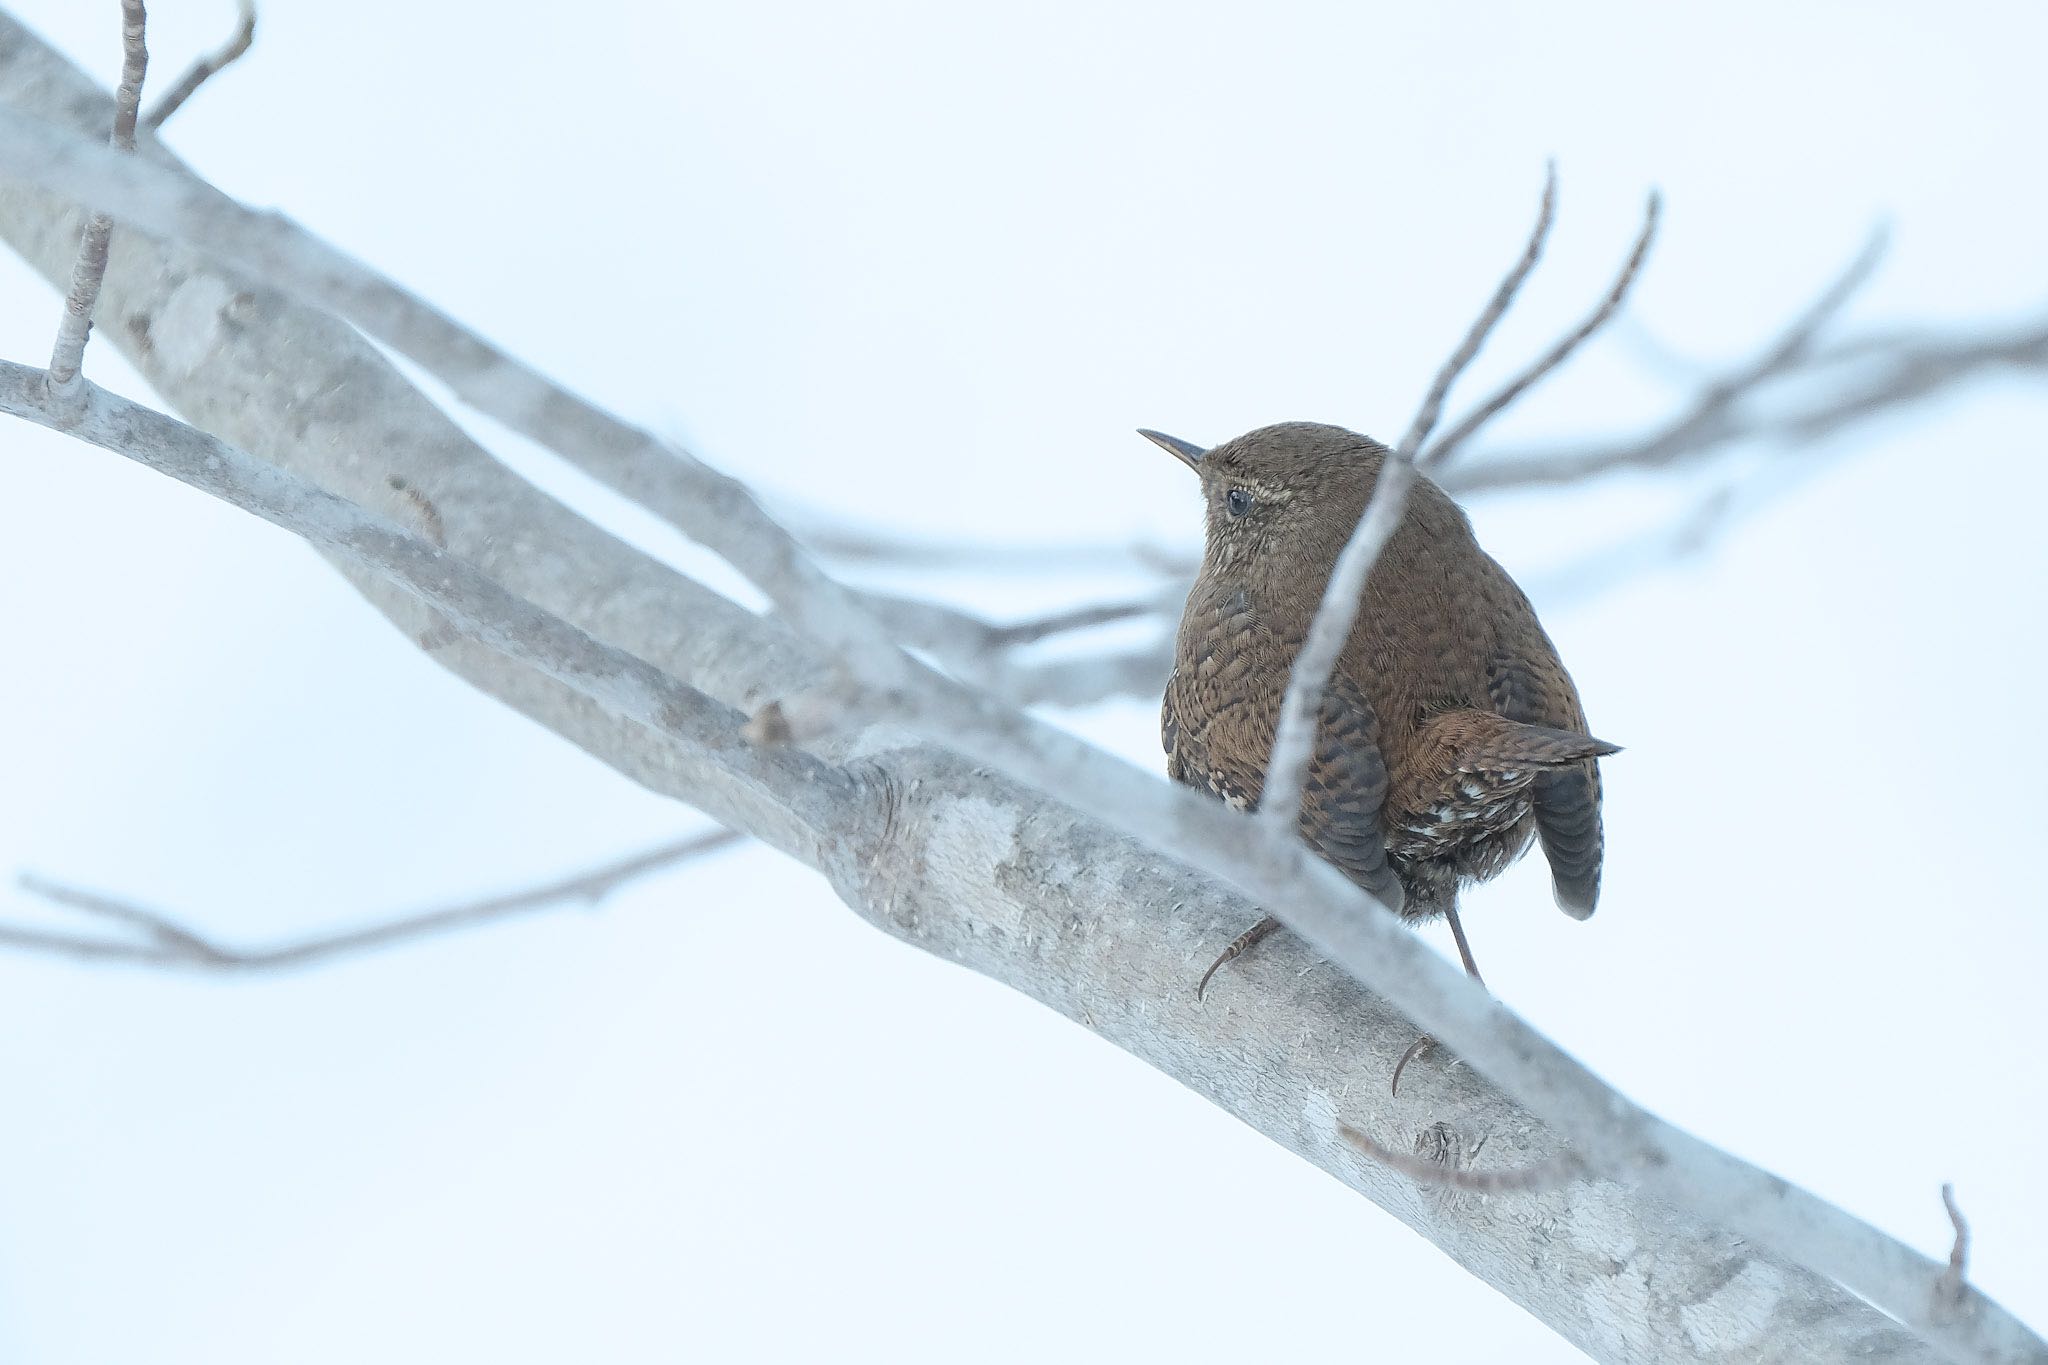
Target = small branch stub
(769,726)
(1948,1290)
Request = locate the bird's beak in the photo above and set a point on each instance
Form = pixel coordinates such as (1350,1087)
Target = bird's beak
(1187,452)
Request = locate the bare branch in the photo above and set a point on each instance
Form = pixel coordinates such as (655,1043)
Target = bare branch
(1711,420)
(1033,629)
(473,604)
(1545,1175)
(163,942)
(1619,1138)
(1624,1141)
(1449,444)
(847,543)
(1482,326)
(206,68)
(958,636)
(1908,373)
(981,652)
(68,354)
(1090,678)
(712,508)
(1294,738)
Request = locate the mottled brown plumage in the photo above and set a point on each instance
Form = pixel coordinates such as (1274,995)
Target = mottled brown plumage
(1450,734)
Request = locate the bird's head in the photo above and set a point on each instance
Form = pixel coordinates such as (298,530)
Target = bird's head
(1292,490)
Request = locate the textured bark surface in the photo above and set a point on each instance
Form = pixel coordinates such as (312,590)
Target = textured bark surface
(936,851)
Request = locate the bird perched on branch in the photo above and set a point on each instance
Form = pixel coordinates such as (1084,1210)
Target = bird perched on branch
(1450,735)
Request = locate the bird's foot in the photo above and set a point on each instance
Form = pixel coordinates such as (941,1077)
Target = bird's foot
(1238,947)
(1425,1042)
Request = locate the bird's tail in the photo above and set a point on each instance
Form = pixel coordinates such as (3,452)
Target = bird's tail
(1484,742)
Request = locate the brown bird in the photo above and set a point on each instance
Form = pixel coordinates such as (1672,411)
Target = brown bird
(1450,734)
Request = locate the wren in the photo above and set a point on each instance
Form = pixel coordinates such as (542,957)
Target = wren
(1450,735)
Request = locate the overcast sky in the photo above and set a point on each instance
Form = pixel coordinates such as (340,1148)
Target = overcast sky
(928,265)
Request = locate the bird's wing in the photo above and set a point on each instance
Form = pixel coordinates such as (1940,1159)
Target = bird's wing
(1184,757)
(1188,755)
(1347,786)
(1568,800)
(1347,778)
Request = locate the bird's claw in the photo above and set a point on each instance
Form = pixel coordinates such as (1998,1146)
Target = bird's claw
(1238,947)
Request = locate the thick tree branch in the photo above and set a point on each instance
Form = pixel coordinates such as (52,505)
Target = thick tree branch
(879,682)
(1082,930)
(626,687)
(1321,904)
(711,508)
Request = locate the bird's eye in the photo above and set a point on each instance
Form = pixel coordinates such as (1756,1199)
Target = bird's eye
(1238,501)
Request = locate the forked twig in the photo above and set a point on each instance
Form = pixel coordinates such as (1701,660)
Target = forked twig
(1287,768)
(164,942)
(1712,418)
(1483,325)
(1447,445)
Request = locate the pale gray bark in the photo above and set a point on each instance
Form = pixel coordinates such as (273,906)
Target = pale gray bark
(969,865)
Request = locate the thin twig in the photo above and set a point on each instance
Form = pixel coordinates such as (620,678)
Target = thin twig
(1287,768)
(1912,373)
(958,636)
(1033,629)
(852,544)
(205,69)
(1087,678)
(1482,326)
(1858,379)
(1561,1169)
(982,652)
(1448,444)
(75,327)
(165,942)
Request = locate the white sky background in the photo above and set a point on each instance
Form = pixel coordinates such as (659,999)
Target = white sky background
(929,266)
